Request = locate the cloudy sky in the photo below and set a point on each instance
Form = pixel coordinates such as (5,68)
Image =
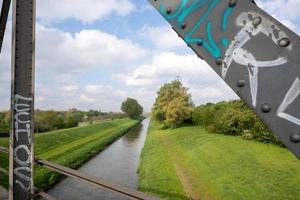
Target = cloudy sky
(92,54)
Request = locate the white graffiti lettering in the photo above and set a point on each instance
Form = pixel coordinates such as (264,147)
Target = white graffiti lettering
(20,175)
(22,186)
(17,159)
(22,154)
(290,97)
(236,53)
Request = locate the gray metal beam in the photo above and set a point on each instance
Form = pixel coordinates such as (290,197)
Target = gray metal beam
(22,101)
(257,56)
(46,196)
(126,192)
(3,19)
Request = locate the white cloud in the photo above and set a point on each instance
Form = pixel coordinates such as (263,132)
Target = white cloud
(204,83)
(286,11)
(105,97)
(5,72)
(58,50)
(86,11)
(70,88)
(60,56)
(168,65)
(162,37)
(86,99)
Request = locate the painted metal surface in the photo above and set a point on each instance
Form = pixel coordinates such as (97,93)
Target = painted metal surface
(256,55)
(22,104)
(3,19)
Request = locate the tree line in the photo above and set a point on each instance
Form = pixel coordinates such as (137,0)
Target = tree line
(50,120)
(174,107)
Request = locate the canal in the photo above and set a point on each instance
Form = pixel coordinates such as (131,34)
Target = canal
(118,163)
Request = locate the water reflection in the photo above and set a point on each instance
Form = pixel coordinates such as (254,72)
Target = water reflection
(118,163)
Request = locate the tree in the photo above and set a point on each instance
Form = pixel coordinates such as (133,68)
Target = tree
(59,122)
(4,124)
(132,108)
(71,122)
(173,104)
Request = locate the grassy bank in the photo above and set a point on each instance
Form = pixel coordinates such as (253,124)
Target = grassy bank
(70,147)
(189,163)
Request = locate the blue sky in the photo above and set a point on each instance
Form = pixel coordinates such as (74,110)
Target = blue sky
(93,54)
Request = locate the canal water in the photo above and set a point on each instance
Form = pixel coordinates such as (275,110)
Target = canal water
(118,163)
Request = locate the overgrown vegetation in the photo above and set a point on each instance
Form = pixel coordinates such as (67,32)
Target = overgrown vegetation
(190,163)
(173,105)
(69,147)
(233,118)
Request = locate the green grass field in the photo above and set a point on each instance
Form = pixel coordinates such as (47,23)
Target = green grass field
(69,147)
(189,163)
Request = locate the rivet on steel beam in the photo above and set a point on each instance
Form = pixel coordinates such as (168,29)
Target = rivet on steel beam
(241,83)
(200,43)
(284,42)
(183,25)
(219,61)
(169,10)
(257,21)
(295,137)
(265,108)
(232,3)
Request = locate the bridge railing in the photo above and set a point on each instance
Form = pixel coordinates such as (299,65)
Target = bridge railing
(113,187)
(3,150)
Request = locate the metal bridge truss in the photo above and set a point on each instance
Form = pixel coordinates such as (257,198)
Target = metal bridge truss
(255,54)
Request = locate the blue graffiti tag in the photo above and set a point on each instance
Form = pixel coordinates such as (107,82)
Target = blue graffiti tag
(184,10)
(226,15)
(225,42)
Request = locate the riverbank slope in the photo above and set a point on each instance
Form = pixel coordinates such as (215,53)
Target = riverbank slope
(70,147)
(189,163)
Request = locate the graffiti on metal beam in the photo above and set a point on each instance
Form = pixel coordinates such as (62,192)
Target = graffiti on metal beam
(290,97)
(253,24)
(184,11)
(255,54)
(22,110)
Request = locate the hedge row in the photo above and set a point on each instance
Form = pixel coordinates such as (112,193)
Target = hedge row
(233,118)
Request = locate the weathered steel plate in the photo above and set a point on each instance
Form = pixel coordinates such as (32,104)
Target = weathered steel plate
(22,96)
(256,55)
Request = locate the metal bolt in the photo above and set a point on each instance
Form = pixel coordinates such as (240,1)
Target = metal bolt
(241,83)
(295,137)
(257,21)
(183,25)
(200,43)
(284,42)
(265,108)
(169,10)
(219,61)
(232,3)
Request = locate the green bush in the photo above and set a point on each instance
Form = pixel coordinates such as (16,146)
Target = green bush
(247,135)
(233,118)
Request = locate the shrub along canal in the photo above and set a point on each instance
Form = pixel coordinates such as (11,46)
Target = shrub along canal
(118,163)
